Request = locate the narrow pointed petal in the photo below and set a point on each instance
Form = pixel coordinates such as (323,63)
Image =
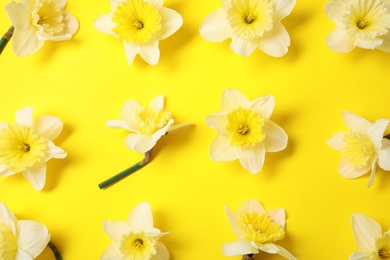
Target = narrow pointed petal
(104,24)
(242,47)
(171,21)
(335,11)
(238,231)
(221,150)
(131,50)
(276,138)
(8,217)
(340,41)
(48,126)
(36,175)
(349,172)
(232,99)
(270,248)
(278,216)
(240,247)
(4,171)
(365,231)
(174,129)
(55,151)
(26,42)
(376,131)
(252,158)
(355,122)
(162,131)
(384,155)
(158,102)
(140,217)
(336,142)
(275,42)
(118,124)
(33,237)
(251,206)
(158,4)
(150,52)
(112,252)
(372,175)
(162,252)
(215,27)
(356,255)
(115,230)
(218,121)
(24,116)
(140,143)
(263,106)
(283,8)
(283,252)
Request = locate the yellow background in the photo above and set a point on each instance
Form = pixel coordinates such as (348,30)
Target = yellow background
(86,80)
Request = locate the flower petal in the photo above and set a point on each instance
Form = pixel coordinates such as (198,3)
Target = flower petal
(22,255)
(8,218)
(4,171)
(115,230)
(275,42)
(232,99)
(385,46)
(251,206)
(336,142)
(158,4)
(131,50)
(340,41)
(104,24)
(19,14)
(60,4)
(240,247)
(150,52)
(355,122)
(54,151)
(26,42)
(36,175)
(335,11)
(140,218)
(270,248)
(263,106)
(365,231)
(372,175)
(221,150)
(118,124)
(48,126)
(276,138)
(140,142)
(242,47)
(349,172)
(158,102)
(283,252)
(70,22)
(376,131)
(3,125)
(278,216)
(215,27)
(174,129)
(171,21)
(112,252)
(24,116)
(33,237)
(283,8)
(114,4)
(252,158)
(162,252)
(162,131)
(218,121)
(359,256)
(238,231)
(384,155)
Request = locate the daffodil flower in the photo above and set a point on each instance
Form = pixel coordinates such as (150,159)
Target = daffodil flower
(245,131)
(27,145)
(37,21)
(250,24)
(363,147)
(359,23)
(135,239)
(257,230)
(140,24)
(372,243)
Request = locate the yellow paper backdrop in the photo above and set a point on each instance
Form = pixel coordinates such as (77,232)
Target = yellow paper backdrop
(86,80)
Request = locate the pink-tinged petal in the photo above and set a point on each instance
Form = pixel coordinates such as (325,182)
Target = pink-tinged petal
(252,158)
(150,52)
(276,138)
(221,150)
(22,255)
(54,151)
(24,116)
(19,14)
(263,106)
(350,172)
(131,50)
(171,21)
(372,175)
(158,102)
(140,142)
(335,10)
(238,230)
(8,218)
(158,4)
(26,42)
(355,122)
(340,41)
(4,171)
(118,124)
(3,125)
(283,252)
(278,216)
(251,206)
(104,24)
(359,256)
(240,247)
(218,121)
(275,42)
(232,99)
(243,47)
(115,230)
(336,142)
(60,4)
(384,155)
(33,237)
(48,126)
(71,23)
(36,175)
(215,27)
(283,8)
(112,252)
(162,252)
(140,218)
(365,230)
(376,131)
(269,248)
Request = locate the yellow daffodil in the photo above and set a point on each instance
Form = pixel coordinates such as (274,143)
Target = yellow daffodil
(257,230)
(37,21)
(20,239)
(250,24)
(140,24)
(135,239)
(245,131)
(363,146)
(26,146)
(372,243)
(361,23)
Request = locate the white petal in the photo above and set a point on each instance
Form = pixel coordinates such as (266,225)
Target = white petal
(24,116)
(251,206)
(19,14)
(269,247)
(33,237)
(112,252)
(21,255)
(8,218)
(221,150)
(359,256)
(150,52)
(243,47)
(355,122)
(174,129)
(283,252)
(232,99)
(215,27)
(158,102)
(162,252)
(36,175)
(4,171)
(275,137)
(365,231)
(114,4)
(71,23)
(376,131)
(3,125)
(336,142)
(218,121)
(278,216)
(60,4)
(349,172)
(240,247)
(275,42)
(158,4)
(26,42)
(372,175)
(340,41)
(263,106)
(226,4)
(238,231)
(55,151)
(140,218)
(385,46)
(367,43)
(283,8)
(115,230)
(127,114)
(104,24)
(252,158)
(162,131)
(335,10)
(48,126)
(131,50)
(171,21)
(118,124)
(384,155)
(140,143)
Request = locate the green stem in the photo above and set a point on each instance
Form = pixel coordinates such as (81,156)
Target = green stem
(6,37)
(127,172)
(55,251)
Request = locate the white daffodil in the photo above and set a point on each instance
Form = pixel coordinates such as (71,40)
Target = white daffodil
(140,24)
(245,131)
(135,239)
(361,23)
(26,146)
(250,24)
(257,230)
(363,146)
(20,239)
(373,245)
(146,124)
(37,21)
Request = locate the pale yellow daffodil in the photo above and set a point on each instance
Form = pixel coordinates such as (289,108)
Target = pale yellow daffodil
(245,131)
(140,24)
(251,24)
(27,145)
(135,239)
(37,21)
(257,230)
(359,23)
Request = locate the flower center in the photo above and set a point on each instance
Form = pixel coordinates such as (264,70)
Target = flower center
(250,19)
(8,244)
(245,127)
(261,229)
(357,149)
(136,21)
(20,147)
(47,18)
(150,119)
(137,246)
(383,246)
